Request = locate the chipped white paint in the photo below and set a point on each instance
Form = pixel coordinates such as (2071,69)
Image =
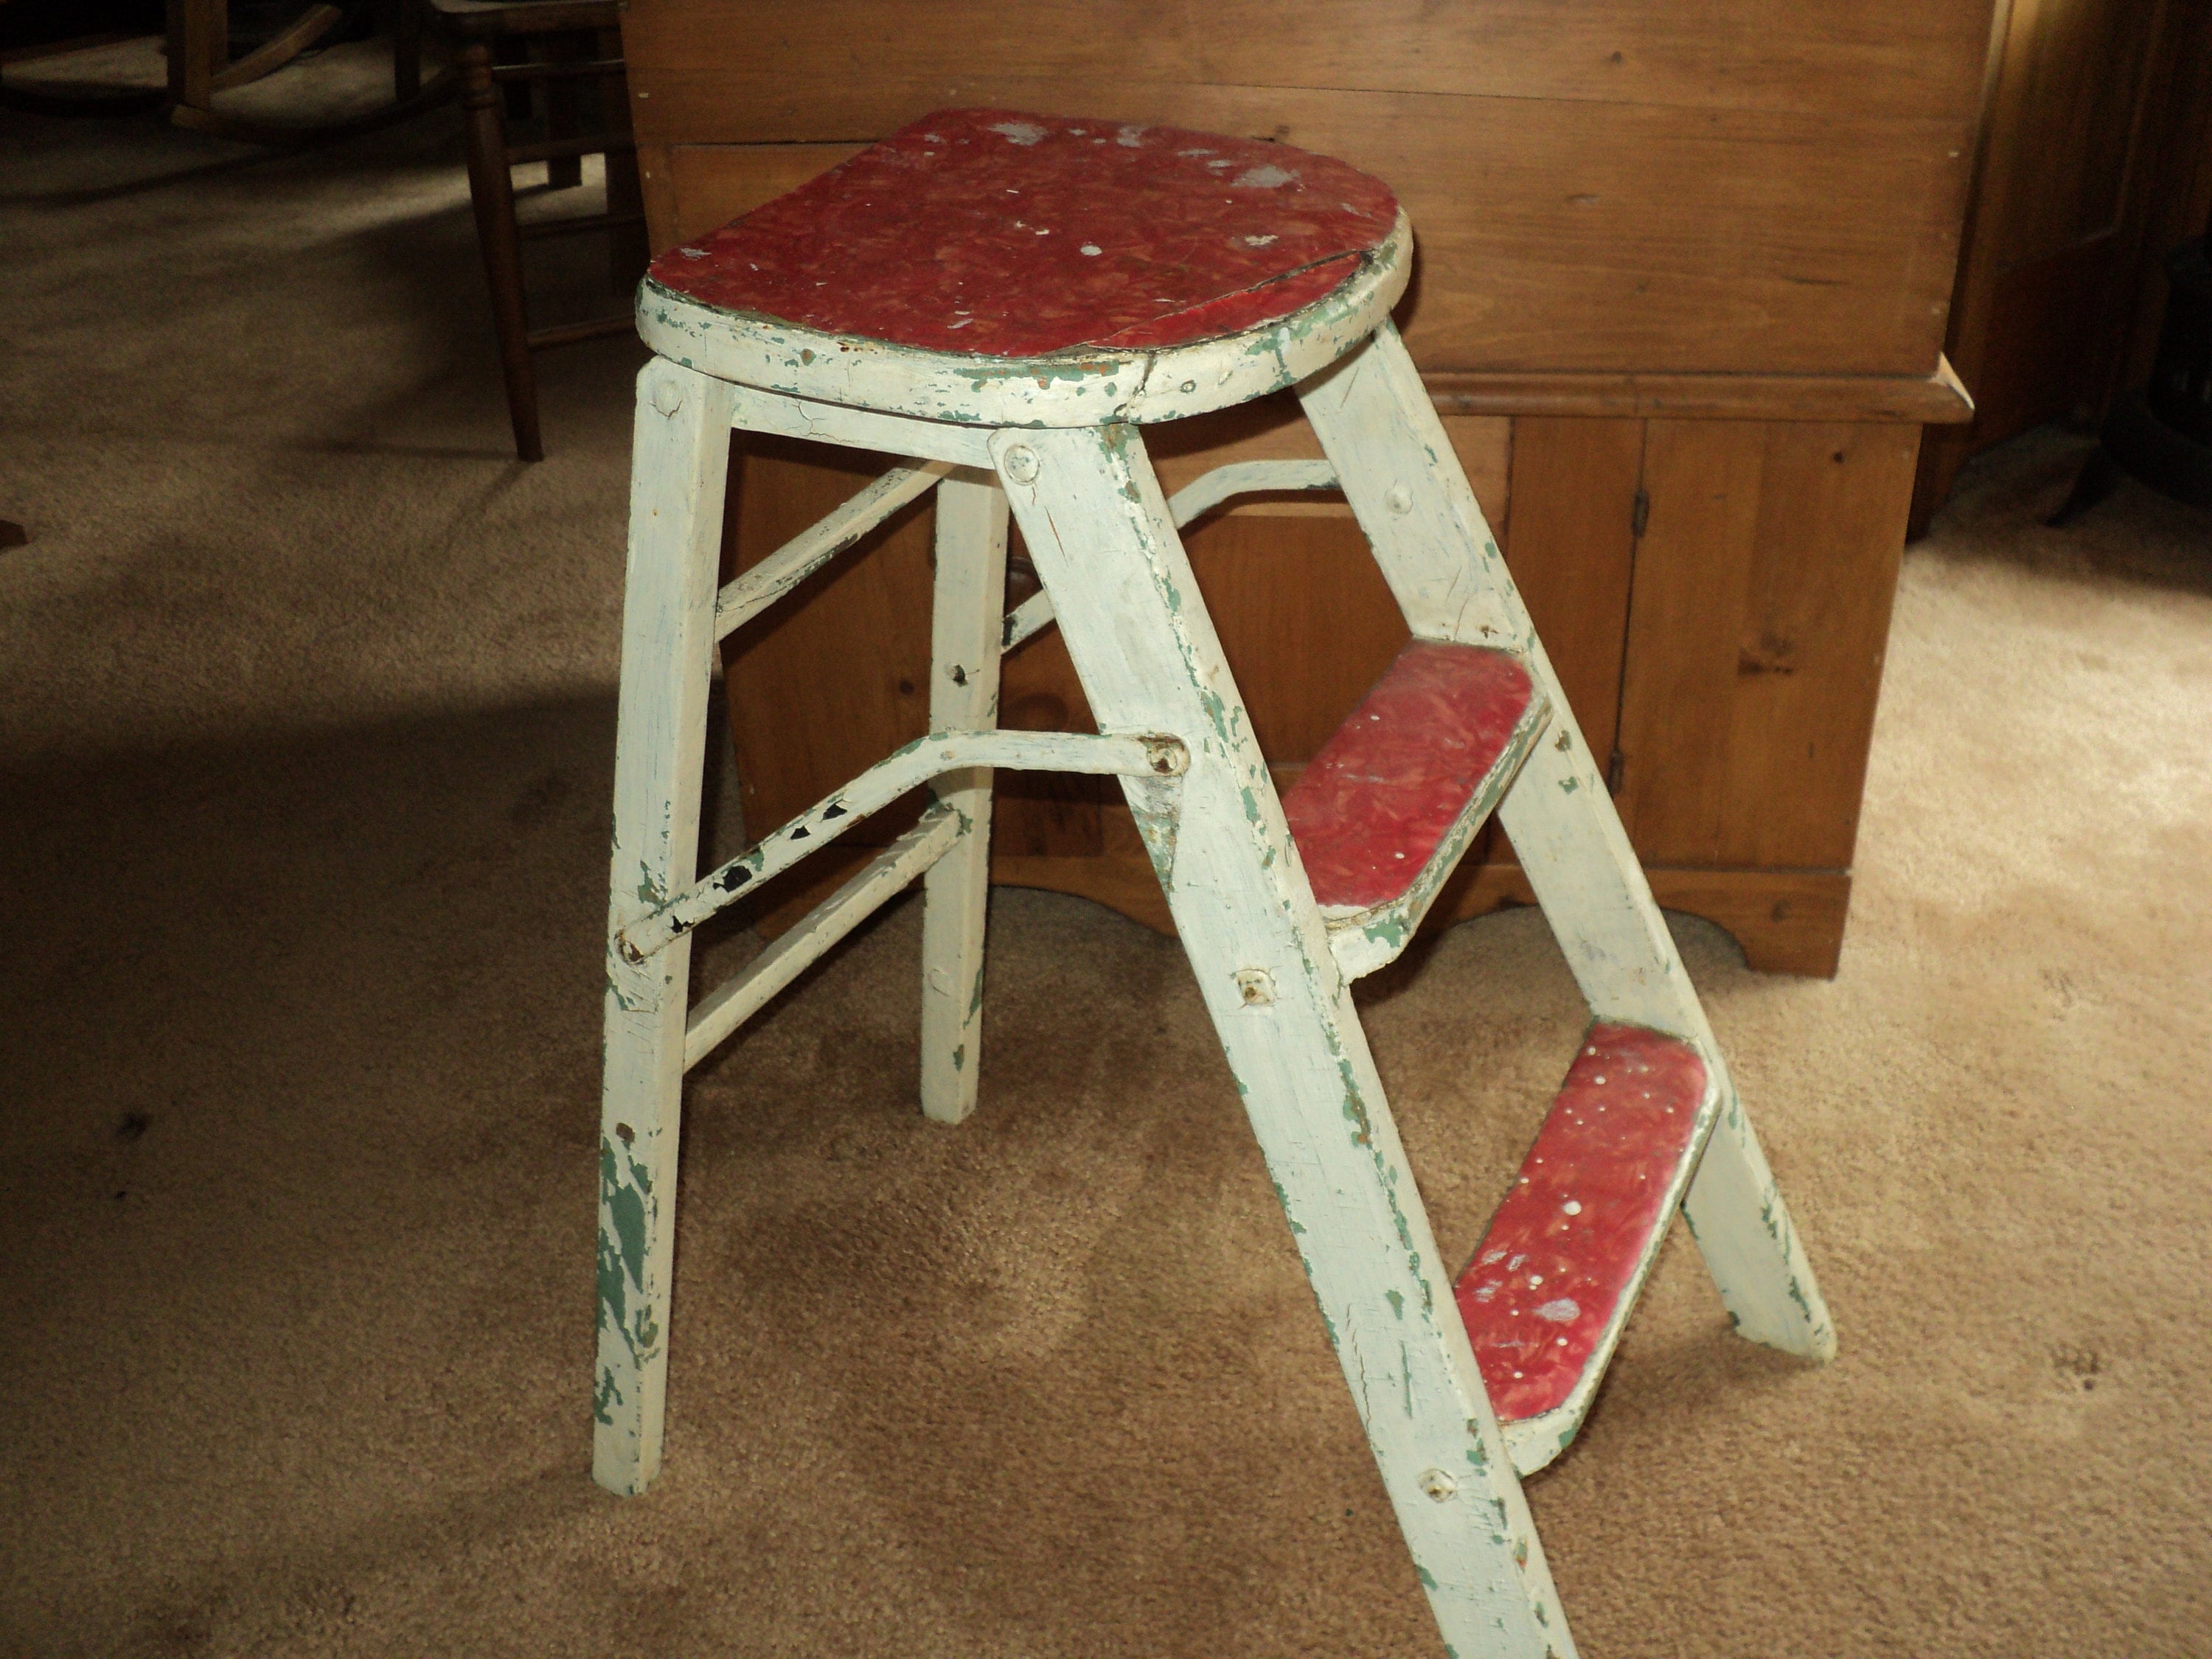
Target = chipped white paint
(744,995)
(903,769)
(1564,831)
(1209,490)
(1078,388)
(754,411)
(963,697)
(761,587)
(1273,970)
(1098,529)
(1200,495)
(679,466)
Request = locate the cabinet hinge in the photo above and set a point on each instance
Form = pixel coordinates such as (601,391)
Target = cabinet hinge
(1615,766)
(1640,514)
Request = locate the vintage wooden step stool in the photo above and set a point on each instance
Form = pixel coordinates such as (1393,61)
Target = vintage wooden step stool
(1008,299)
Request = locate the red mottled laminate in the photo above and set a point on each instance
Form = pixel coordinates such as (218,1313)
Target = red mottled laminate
(1005,234)
(1564,1246)
(1373,805)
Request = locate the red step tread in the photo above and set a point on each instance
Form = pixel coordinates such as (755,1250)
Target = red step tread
(1001,233)
(1564,1247)
(1386,788)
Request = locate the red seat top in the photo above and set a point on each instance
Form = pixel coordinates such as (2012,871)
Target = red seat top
(1004,234)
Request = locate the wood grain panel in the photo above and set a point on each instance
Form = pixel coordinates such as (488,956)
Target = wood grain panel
(1757,627)
(1571,547)
(835,676)
(1555,234)
(711,184)
(1873,57)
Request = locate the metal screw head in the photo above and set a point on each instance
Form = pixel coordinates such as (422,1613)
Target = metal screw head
(1020,464)
(1399,501)
(1440,1486)
(668,397)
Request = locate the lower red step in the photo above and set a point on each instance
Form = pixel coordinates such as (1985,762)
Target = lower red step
(1549,1288)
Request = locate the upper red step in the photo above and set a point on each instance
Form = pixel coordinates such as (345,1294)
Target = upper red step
(1385,789)
(1005,234)
(1565,1247)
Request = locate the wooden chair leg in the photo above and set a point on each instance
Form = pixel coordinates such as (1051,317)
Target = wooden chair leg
(963,697)
(491,192)
(198,47)
(680,462)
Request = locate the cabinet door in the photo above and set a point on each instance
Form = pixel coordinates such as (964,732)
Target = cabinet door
(1756,629)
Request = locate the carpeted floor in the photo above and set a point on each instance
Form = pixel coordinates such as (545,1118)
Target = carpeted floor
(306,695)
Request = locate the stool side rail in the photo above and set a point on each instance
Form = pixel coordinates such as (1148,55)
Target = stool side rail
(744,994)
(747,595)
(1198,497)
(878,788)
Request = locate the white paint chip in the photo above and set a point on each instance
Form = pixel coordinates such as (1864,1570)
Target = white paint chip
(1018,132)
(1090,250)
(1266,176)
(1561,1311)
(1258,241)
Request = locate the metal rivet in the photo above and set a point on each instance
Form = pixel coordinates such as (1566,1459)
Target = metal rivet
(1020,464)
(1256,986)
(1440,1486)
(1190,387)
(668,397)
(1399,501)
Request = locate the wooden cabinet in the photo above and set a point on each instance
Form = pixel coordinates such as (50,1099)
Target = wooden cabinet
(1681,295)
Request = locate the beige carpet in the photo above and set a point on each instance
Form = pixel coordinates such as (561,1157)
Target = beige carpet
(305,712)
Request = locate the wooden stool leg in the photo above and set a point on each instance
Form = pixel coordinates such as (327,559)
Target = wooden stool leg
(491,192)
(963,697)
(1094,520)
(679,465)
(1379,426)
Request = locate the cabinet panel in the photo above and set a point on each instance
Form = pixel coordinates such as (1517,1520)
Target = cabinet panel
(1760,616)
(1571,547)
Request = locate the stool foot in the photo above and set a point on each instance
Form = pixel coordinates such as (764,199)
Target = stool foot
(963,697)
(679,463)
